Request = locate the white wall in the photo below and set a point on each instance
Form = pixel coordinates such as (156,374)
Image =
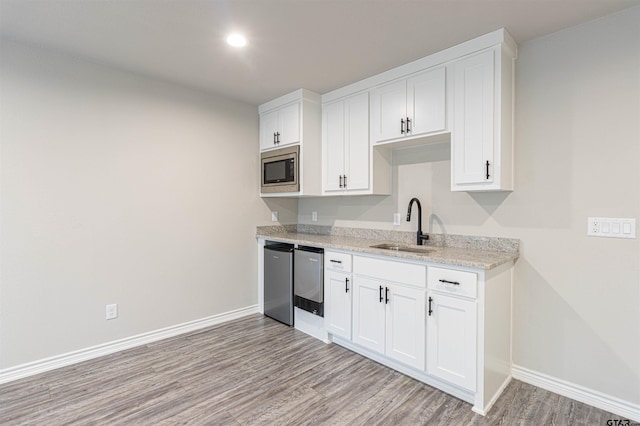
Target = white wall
(120,189)
(576,299)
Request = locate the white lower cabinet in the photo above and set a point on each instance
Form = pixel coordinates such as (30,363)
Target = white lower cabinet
(405,331)
(389,318)
(452,326)
(338,292)
(338,287)
(446,326)
(368,313)
(451,339)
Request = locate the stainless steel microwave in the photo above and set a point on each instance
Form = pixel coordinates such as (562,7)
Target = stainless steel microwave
(279,170)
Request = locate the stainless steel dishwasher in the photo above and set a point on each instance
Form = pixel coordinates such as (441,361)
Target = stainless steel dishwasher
(308,282)
(278,282)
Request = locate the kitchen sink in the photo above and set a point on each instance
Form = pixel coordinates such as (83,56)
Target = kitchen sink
(401,247)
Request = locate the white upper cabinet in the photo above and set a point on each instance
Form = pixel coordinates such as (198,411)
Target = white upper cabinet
(410,107)
(295,119)
(347,155)
(345,138)
(280,127)
(463,94)
(356,146)
(481,138)
(268,130)
(389,111)
(426,102)
(333,140)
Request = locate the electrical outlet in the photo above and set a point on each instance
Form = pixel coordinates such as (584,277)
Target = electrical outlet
(274,216)
(112,311)
(397,218)
(314,216)
(611,227)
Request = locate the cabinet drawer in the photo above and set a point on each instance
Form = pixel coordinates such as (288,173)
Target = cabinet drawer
(337,261)
(389,270)
(452,281)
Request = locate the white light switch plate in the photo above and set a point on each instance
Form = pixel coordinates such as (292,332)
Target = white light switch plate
(611,227)
(314,216)
(274,216)
(396,218)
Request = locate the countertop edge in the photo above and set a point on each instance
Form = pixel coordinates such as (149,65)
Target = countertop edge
(501,257)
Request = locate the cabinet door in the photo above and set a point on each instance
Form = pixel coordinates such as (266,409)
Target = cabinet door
(472,137)
(356,119)
(426,102)
(333,145)
(289,124)
(368,314)
(389,106)
(337,306)
(405,323)
(268,127)
(451,340)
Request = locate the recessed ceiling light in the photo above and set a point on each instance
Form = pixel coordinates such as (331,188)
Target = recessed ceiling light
(237,40)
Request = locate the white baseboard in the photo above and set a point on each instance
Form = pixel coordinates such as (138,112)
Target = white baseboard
(47,364)
(597,399)
(310,324)
(484,410)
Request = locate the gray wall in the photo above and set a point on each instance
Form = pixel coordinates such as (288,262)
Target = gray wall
(576,299)
(118,189)
(110,194)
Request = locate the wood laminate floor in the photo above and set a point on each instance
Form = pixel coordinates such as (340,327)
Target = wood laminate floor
(257,371)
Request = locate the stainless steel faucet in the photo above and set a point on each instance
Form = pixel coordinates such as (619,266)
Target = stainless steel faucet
(420,237)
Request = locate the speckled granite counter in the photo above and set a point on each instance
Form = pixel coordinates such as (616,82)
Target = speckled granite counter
(473,252)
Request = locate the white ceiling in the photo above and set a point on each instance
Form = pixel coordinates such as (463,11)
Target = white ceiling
(319,45)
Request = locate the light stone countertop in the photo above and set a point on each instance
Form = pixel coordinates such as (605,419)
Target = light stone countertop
(480,256)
